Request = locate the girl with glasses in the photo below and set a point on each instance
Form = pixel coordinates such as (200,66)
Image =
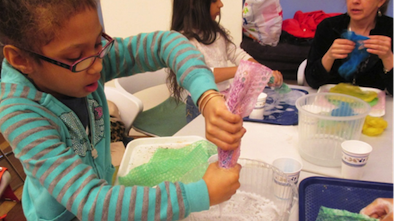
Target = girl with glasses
(54,113)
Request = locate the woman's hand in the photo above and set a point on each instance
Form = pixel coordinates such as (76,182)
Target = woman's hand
(381,46)
(222,127)
(339,49)
(221,183)
(380,208)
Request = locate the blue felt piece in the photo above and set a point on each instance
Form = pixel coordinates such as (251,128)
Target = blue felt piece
(343,110)
(359,54)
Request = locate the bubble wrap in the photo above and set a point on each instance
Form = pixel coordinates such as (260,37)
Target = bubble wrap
(249,81)
(169,164)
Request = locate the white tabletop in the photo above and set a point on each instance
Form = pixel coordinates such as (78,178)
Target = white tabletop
(267,142)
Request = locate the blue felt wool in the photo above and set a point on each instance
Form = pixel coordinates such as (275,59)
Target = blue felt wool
(343,110)
(359,54)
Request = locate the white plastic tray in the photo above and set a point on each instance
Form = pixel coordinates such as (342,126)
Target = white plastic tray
(377,110)
(139,151)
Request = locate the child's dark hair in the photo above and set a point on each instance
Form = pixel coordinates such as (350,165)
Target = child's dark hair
(31,24)
(193,19)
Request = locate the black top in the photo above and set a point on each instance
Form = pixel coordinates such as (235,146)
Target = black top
(370,73)
(79,106)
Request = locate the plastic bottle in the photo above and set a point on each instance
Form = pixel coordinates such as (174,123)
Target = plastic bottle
(258,110)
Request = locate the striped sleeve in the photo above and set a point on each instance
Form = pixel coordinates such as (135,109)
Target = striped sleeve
(156,50)
(35,136)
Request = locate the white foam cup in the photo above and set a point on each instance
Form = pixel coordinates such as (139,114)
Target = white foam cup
(291,168)
(355,155)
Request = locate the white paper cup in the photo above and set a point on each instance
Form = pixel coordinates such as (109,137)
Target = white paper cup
(355,155)
(291,168)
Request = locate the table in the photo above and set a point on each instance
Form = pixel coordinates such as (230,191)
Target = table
(267,142)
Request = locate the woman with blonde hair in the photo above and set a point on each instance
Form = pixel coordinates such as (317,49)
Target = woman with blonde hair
(329,51)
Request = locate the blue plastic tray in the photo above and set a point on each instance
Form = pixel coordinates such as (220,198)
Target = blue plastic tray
(350,195)
(280,109)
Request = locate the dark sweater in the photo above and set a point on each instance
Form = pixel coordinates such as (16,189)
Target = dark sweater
(370,73)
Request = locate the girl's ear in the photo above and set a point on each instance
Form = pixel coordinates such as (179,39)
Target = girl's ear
(18,59)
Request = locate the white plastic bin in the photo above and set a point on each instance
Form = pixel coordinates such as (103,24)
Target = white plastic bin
(326,120)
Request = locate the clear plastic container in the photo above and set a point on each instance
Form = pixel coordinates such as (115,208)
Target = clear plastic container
(326,120)
(255,199)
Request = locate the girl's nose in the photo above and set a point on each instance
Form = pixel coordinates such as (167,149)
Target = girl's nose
(96,67)
(220,4)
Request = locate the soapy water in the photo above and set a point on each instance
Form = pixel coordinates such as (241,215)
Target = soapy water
(243,206)
(280,108)
(280,103)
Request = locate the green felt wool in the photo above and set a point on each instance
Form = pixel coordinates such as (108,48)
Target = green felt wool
(374,102)
(187,164)
(162,120)
(329,214)
(283,89)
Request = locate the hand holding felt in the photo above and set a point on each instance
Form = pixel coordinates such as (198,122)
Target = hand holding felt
(359,54)
(381,208)
(221,183)
(222,127)
(249,81)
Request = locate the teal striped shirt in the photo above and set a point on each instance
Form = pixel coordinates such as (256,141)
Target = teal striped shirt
(63,180)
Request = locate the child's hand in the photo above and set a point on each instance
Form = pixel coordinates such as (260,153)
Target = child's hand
(222,127)
(221,183)
(381,208)
(278,79)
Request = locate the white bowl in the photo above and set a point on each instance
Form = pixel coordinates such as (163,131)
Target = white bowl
(255,199)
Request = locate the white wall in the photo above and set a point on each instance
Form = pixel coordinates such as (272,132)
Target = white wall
(123,18)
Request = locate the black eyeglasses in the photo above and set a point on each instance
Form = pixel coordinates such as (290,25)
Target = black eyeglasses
(83,63)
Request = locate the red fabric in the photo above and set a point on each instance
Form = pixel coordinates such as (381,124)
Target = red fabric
(3,217)
(8,192)
(3,169)
(303,25)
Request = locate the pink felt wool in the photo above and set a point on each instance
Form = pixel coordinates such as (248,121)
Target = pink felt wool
(249,81)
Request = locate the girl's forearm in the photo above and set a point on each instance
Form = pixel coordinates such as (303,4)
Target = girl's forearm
(226,73)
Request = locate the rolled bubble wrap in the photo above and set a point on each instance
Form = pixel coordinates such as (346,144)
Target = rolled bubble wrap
(249,81)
